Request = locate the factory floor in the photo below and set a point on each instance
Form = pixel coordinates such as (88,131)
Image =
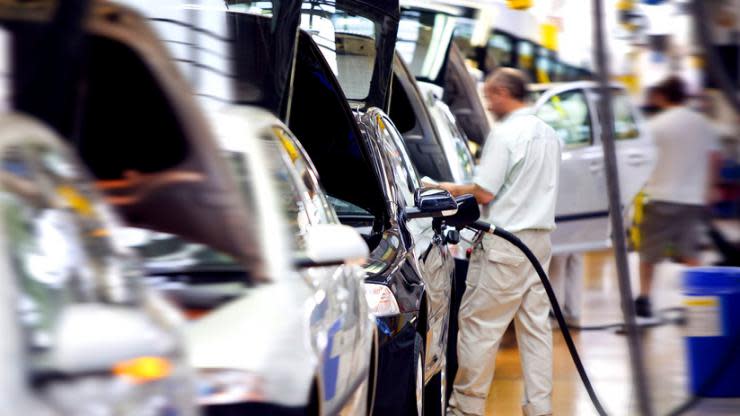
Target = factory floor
(605,354)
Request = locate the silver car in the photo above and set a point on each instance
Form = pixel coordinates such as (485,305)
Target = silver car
(276,325)
(303,340)
(582,213)
(82,335)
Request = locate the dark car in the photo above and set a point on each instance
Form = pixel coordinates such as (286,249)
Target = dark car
(341,86)
(77,325)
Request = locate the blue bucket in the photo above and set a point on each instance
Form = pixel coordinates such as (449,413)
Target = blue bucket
(712,301)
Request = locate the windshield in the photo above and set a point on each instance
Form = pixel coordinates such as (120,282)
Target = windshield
(348,43)
(301,203)
(423,40)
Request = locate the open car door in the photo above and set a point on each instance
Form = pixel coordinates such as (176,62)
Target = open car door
(357,38)
(425,43)
(143,136)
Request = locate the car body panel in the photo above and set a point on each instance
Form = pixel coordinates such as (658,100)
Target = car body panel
(231,222)
(207,59)
(323,332)
(75,306)
(352,160)
(428,252)
(340,319)
(462,94)
(582,213)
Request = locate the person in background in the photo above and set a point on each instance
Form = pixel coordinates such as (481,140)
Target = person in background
(516,183)
(677,190)
(651,106)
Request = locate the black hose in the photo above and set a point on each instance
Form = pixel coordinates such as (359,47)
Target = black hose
(714,377)
(663,319)
(727,359)
(482,226)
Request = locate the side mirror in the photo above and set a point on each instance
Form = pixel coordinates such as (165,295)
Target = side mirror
(432,203)
(467,212)
(332,244)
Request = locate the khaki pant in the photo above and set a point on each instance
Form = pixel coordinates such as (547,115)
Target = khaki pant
(502,285)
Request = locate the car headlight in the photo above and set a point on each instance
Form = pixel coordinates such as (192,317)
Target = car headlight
(381,300)
(147,386)
(217,386)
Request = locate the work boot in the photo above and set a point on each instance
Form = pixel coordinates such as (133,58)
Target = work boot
(642,307)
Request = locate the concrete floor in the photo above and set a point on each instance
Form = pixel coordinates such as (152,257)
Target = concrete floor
(606,357)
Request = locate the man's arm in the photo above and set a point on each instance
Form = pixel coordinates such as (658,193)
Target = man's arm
(482,195)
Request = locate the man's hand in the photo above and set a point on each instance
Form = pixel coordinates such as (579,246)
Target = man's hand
(482,195)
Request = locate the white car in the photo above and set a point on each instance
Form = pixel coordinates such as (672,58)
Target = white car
(582,212)
(81,335)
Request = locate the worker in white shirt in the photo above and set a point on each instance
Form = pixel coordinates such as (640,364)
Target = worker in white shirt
(677,190)
(516,183)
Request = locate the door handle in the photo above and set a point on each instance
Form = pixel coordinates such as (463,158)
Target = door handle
(595,167)
(636,159)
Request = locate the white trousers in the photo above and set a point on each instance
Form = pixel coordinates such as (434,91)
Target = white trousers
(503,286)
(566,277)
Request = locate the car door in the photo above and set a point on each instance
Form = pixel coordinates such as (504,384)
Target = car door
(635,148)
(434,260)
(581,212)
(342,314)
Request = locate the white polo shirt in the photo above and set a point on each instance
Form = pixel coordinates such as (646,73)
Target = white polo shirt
(520,165)
(685,141)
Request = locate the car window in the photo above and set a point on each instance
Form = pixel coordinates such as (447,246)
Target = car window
(526,53)
(465,159)
(165,251)
(625,127)
(344,208)
(569,115)
(351,56)
(453,140)
(303,167)
(424,37)
(404,174)
(501,47)
(302,202)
